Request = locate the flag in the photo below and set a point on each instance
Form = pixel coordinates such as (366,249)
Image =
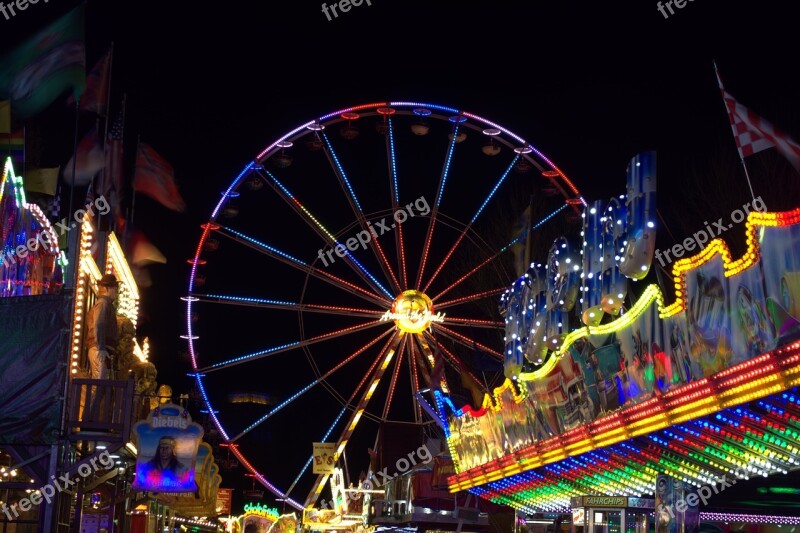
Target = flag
(110,185)
(88,160)
(54,205)
(5,116)
(753,134)
(46,65)
(12,144)
(42,180)
(95,98)
(155,177)
(143,252)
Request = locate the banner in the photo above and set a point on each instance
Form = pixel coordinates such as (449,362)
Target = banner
(224,497)
(168,442)
(32,344)
(324,454)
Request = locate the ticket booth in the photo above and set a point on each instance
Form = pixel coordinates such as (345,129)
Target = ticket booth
(612,514)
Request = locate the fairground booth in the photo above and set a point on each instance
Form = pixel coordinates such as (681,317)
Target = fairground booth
(68,445)
(630,405)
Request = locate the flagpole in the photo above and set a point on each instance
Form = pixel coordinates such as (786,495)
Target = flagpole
(72,243)
(733,130)
(133,198)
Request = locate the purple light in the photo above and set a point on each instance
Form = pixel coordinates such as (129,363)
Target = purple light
(751,518)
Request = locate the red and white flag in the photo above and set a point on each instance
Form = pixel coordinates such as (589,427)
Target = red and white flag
(143,252)
(753,134)
(155,177)
(95,97)
(87,162)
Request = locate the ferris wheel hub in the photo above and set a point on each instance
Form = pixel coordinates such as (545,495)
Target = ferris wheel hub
(412,312)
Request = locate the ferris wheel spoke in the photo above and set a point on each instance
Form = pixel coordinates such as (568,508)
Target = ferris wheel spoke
(287,259)
(311,458)
(469,298)
(472,221)
(425,349)
(399,244)
(393,383)
(261,479)
(317,227)
(289,346)
(386,356)
(496,255)
(346,406)
(466,341)
(474,322)
(454,360)
(435,210)
(414,378)
(352,199)
(287,306)
(310,386)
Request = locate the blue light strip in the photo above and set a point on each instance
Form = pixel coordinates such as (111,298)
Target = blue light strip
(230,188)
(256,354)
(429,106)
(324,439)
(342,172)
(250,300)
(212,411)
(394,162)
(494,190)
(369,275)
(524,234)
(320,226)
(447,163)
(277,408)
(265,246)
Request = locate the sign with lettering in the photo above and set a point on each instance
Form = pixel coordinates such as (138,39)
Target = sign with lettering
(324,454)
(605,501)
(168,442)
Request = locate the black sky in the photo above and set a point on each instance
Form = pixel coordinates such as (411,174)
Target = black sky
(588,83)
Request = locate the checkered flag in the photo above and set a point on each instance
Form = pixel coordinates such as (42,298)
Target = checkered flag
(753,134)
(54,205)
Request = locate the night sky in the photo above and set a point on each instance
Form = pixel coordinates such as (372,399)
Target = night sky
(589,84)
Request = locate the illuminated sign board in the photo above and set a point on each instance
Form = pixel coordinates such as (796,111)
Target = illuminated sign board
(412,312)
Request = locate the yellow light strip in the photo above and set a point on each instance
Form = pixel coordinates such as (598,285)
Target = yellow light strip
(362,405)
(84,275)
(128,297)
(653,293)
(736,396)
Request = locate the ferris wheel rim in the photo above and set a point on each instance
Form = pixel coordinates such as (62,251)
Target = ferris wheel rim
(522,148)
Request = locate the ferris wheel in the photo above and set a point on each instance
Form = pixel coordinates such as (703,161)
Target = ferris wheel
(356,262)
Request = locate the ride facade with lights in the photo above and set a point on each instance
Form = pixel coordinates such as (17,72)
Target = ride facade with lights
(608,386)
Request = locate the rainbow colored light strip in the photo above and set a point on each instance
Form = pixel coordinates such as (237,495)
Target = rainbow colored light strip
(759,438)
(756,378)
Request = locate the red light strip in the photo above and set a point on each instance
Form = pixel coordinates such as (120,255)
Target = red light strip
(470,298)
(470,342)
(607,429)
